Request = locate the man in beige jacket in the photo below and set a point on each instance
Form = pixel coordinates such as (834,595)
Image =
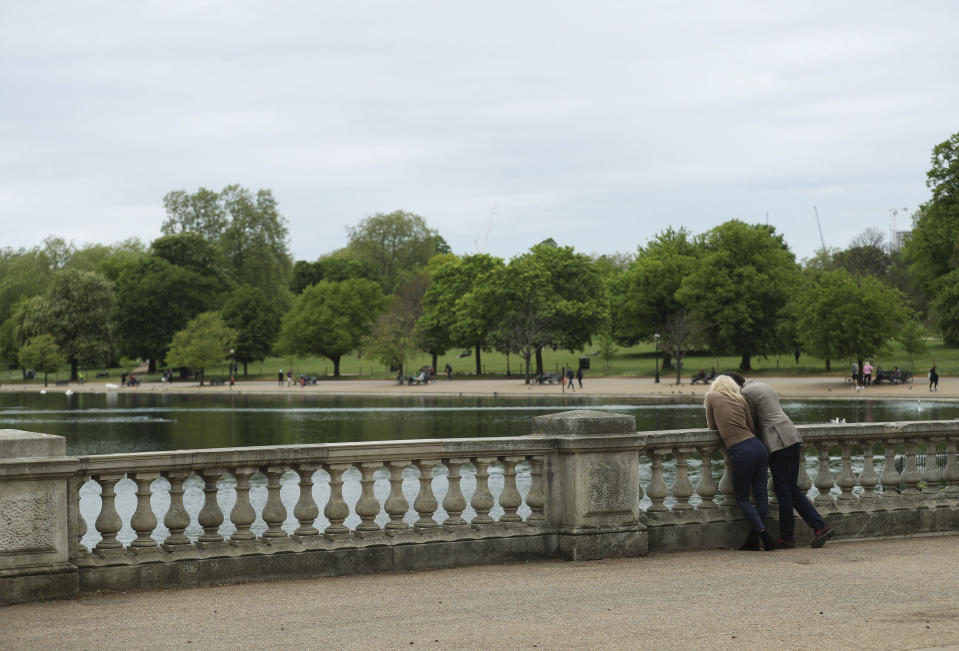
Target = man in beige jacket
(782,439)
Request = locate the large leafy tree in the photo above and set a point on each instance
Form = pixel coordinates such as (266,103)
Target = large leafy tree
(204,341)
(932,249)
(331,319)
(245,228)
(448,319)
(394,245)
(255,319)
(739,289)
(842,316)
(155,299)
(41,354)
(77,311)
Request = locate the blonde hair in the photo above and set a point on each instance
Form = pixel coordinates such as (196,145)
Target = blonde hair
(726,386)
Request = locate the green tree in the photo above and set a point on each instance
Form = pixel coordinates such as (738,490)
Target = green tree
(155,299)
(331,319)
(77,311)
(246,229)
(190,251)
(739,289)
(392,337)
(255,319)
(205,341)
(42,355)
(447,319)
(394,245)
(841,316)
(108,260)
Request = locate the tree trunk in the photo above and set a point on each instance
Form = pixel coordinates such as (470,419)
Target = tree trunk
(202,372)
(436,359)
(744,364)
(679,370)
(74,369)
(526,359)
(828,368)
(336,366)
(539,360)
(152,365)
(479,364)
(244,368)
(44,378)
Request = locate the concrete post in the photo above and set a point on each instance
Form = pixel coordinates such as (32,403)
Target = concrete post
(34,539)
(593,485)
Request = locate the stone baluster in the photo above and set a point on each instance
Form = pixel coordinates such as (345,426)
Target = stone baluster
(81,522)
(726,492)
(396,504)
(425,503)
(868,478)
(890,477)
(824,478)
(535,499)
(931,473)
(454,503)
(177,519)
(657,489)
(706,487)
(78,530)
(242,516)
(367,507)
(210,516)
(950,473)
(510,499)
(803,481)
(336,510)
(306,510)
(274,513)
(846,481)
(108,522)
(482,500)
(682,487)
(144,521)
(910,473)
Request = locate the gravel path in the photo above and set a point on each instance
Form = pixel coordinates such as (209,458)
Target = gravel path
(880,594)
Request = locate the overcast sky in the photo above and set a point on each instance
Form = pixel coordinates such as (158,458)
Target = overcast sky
(598,124)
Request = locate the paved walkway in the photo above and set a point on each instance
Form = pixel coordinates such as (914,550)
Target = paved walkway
(816,386)
(883,594)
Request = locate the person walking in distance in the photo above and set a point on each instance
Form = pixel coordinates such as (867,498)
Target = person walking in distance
(780,436)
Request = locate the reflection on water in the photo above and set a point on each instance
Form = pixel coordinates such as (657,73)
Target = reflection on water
(131,422)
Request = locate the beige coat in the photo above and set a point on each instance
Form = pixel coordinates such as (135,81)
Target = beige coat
(773,426)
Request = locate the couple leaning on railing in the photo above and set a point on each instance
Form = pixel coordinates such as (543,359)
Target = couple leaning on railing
(759,436)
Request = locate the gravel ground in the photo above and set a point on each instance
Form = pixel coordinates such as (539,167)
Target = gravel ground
(878,594)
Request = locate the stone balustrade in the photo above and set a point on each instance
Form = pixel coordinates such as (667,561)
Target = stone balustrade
(584,485)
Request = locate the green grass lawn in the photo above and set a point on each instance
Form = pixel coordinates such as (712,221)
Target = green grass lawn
(636,361)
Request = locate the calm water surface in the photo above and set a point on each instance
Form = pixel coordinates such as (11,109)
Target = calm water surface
(130,422)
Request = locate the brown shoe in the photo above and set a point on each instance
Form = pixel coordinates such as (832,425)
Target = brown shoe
(820,537)
(783,543)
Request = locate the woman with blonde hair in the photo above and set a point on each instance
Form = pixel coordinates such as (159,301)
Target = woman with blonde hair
(726,411)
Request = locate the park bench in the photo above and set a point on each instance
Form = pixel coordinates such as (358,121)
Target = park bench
(62,383)
(878,377)
(547,378)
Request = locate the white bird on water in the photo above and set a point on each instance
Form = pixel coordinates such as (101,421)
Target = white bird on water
(68,392)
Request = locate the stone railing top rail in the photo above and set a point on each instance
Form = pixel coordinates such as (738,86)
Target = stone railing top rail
(568,432)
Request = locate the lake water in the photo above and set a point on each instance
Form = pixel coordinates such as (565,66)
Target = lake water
(129,422)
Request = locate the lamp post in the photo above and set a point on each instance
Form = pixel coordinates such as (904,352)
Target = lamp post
(656,339)
(232,366)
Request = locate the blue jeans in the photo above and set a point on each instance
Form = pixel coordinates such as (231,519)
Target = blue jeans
(750,461)
(784,465)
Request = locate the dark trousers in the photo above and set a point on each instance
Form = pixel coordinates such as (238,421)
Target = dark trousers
(750,461)
(784,465)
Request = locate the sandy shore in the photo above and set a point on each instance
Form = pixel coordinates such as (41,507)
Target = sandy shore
(788,387)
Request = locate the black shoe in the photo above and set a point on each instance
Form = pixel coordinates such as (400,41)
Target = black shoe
(784,543)
(768,543)
(752,542)
(820,537)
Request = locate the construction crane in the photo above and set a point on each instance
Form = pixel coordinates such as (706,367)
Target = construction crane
(489,227)
(819,226)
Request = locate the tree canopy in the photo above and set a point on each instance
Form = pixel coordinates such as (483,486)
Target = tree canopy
(331,319)
(204,341)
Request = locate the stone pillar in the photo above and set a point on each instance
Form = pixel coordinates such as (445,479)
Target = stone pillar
(593,485)
(35,527)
